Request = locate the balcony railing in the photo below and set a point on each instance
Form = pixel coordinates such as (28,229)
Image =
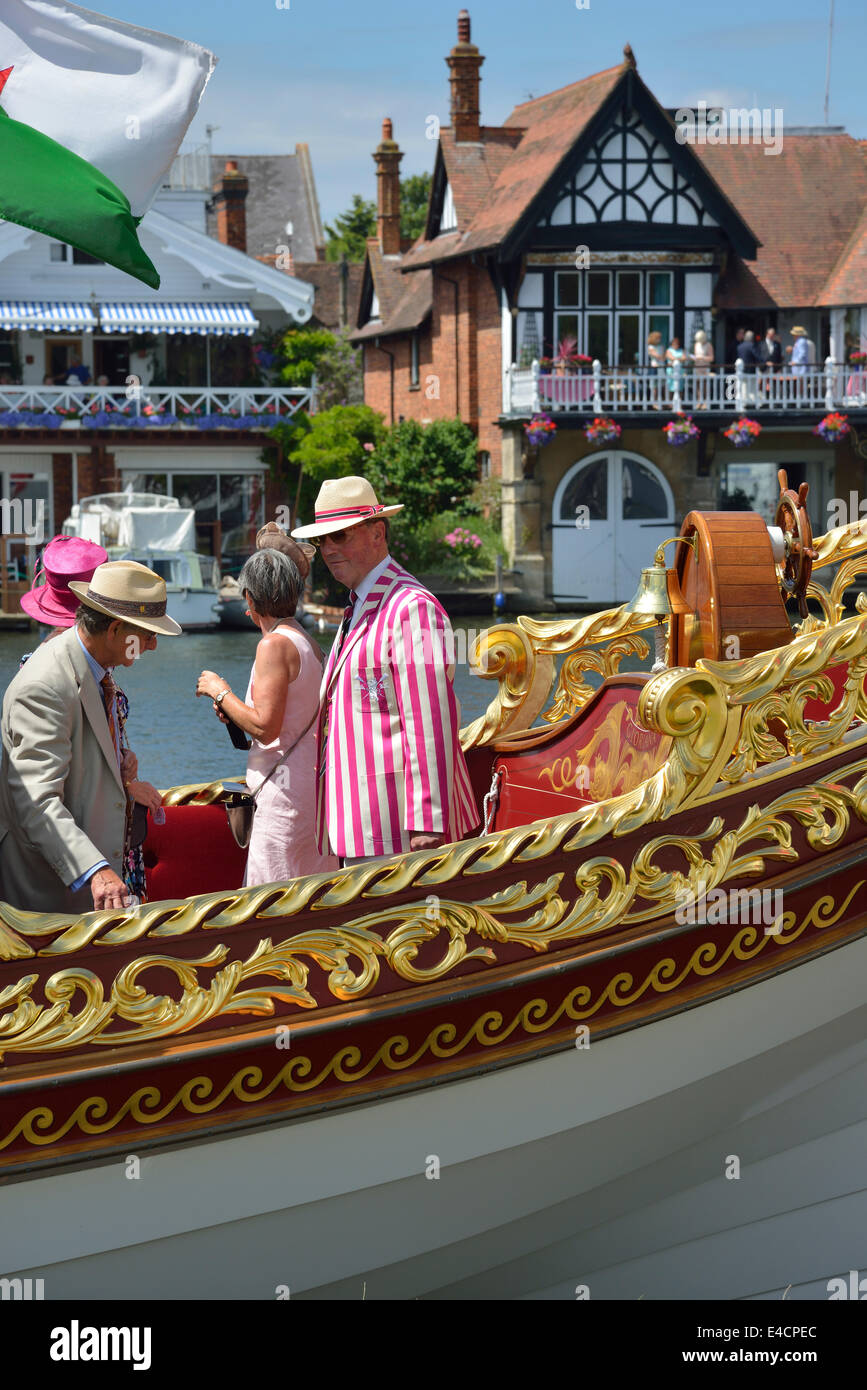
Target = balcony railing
(138,407)
(615,390)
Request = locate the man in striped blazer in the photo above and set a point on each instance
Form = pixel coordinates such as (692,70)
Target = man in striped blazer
(391,773)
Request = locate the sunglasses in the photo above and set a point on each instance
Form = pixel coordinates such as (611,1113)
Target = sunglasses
(337,536)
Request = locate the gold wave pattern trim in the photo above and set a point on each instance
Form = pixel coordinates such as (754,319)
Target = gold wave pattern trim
(609,897)
(347,1066)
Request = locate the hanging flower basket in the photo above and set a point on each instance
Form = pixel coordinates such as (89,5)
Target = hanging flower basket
(680,431)
(858,358)
(602,431)
(833,428)
(743,432)
(540,430)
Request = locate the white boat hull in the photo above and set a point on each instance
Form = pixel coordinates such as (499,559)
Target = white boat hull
(602,1169)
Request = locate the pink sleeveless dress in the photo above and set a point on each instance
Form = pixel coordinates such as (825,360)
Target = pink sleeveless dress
(283,843)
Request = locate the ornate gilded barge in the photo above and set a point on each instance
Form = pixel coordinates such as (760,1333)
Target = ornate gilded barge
(512,1065)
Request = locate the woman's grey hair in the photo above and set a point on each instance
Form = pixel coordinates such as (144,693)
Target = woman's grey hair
(272,583)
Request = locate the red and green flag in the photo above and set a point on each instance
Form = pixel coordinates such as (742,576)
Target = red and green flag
(92,113)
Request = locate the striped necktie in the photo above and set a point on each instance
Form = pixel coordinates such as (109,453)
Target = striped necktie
(347,619)
(109,691)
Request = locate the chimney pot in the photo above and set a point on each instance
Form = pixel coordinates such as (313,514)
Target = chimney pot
(387,158)
(230,196)
(464,63)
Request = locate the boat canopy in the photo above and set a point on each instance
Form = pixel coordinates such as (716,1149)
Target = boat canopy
(134,520)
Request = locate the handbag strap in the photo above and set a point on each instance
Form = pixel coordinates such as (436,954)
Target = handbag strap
(294,745)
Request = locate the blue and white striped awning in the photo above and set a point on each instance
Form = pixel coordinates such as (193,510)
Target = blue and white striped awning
(215,319)
(47,316)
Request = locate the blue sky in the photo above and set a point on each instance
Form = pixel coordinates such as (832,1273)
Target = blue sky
(327,71)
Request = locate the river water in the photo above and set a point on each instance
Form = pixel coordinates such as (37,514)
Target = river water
(175,735)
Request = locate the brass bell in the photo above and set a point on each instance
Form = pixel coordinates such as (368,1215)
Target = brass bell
(659,595)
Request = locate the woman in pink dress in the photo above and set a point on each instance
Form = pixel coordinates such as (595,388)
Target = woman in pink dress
(279,713)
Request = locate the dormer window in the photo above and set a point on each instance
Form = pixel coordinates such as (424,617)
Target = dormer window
(374,306)
(448,216)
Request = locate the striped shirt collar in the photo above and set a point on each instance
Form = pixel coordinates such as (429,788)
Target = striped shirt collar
(366,586)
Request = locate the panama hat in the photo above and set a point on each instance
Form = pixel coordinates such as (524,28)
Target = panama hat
(344,502)
(273,537)
(798,332)
(64,558)
(125,589)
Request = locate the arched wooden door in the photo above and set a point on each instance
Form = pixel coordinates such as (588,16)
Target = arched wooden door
(610,512)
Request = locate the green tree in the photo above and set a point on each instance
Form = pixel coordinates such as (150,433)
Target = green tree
(339,377)
(351,231)
(333,446)
(414,194)
(352,228)
(301,350)
(429,468)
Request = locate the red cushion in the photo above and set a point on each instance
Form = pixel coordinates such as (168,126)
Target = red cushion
(194,852)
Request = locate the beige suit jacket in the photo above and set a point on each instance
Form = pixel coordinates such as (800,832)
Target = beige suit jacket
(62,800)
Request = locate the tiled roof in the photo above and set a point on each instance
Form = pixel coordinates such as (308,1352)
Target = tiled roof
(404,301)
(847,283)
(551,125)
(282,189)
(325,278)
(803,204)
(473,169)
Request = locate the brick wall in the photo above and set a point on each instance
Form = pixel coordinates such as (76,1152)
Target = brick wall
(459,360)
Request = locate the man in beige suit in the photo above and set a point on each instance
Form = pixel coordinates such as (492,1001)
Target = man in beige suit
(63,802)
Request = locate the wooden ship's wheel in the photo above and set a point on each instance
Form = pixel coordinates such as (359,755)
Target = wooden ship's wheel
(735,577)
(794,522)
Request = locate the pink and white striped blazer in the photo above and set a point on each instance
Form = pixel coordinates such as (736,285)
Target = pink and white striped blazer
(393,764)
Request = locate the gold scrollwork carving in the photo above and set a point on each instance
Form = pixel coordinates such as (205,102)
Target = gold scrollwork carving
(41,1128)
(536,917)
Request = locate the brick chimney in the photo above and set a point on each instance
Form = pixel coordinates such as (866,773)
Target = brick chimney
(387,157)
(230,196)
(464,62)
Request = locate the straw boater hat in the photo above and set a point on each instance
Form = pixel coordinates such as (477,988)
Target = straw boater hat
(798,332)
(124,589)
(64,558)
(273,537)
(344,502)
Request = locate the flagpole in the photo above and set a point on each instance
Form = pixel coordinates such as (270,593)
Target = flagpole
(828,63)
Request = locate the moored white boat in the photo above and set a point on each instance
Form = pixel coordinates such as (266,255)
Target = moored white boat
(158,532)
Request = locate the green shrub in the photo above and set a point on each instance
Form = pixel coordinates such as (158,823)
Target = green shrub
(429,468)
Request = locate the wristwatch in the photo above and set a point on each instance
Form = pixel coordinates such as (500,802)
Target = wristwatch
(218,700)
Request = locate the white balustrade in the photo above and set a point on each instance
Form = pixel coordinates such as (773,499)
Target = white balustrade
(161,400)
(631,390)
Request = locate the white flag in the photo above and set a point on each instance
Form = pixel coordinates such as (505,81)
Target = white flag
(119,96)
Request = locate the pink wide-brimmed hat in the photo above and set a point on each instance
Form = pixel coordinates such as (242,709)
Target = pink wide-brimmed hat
(63,559)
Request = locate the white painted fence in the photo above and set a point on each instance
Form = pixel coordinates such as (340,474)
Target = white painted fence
(614,390)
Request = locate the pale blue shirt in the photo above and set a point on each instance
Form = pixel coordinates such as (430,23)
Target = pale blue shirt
(98,673)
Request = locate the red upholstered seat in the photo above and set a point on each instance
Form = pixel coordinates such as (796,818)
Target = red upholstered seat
(194,852)
(603,751)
